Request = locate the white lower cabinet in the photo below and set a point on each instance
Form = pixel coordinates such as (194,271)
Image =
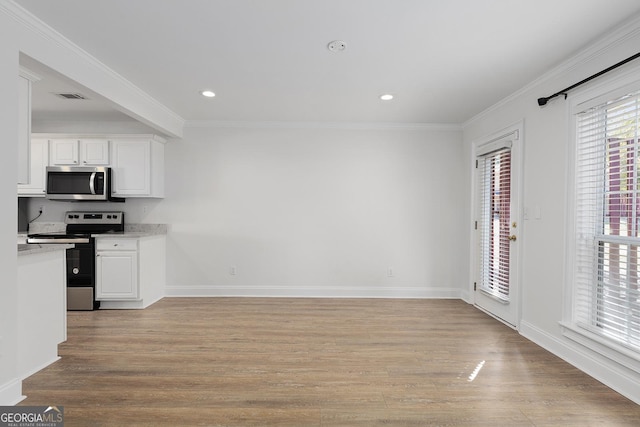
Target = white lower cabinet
(117,269)
(130,271)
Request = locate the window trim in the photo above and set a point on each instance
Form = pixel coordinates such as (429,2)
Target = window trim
(616,86)
(606,347)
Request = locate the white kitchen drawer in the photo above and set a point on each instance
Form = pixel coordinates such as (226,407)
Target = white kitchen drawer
(116,244)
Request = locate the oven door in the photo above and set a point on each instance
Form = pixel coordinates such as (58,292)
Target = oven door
(78,183)
(81,264)
(81,267)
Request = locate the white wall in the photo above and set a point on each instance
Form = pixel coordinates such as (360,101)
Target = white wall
(10,387)
(314,212)
(546,139)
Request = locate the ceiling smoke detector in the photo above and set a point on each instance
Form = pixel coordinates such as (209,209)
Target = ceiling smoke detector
(71,96)
(337,46)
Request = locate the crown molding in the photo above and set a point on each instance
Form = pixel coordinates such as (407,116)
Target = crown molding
(622,32)
(46,32)
(29,75)
(322,125)
(90,135)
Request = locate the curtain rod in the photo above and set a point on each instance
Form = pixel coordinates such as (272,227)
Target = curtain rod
(543,101)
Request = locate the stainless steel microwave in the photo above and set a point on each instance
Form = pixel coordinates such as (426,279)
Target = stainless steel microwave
(79,183)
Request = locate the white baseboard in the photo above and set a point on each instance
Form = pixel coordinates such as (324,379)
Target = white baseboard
(602,369)
(311,292)
(40,367)
(128,305)
(11,393)
(466,296)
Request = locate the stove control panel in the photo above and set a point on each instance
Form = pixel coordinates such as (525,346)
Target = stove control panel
(94,217)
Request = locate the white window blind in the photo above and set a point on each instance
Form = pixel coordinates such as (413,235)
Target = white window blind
(494,226)
(607,271)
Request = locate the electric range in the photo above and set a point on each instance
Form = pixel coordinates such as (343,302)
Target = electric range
(81,259)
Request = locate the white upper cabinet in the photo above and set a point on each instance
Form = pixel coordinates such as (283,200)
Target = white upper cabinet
(24,123)
(138,167)
(64,152)
(37,179)
(25,80)
(79,152)
(132,166)
(94,151)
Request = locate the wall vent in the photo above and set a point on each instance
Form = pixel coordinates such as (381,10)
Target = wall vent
(71,96)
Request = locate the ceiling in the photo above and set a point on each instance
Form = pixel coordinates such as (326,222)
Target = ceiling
(48,105)
(268,60)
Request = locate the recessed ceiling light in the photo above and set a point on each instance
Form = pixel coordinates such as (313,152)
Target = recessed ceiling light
(386,97)
(208,93)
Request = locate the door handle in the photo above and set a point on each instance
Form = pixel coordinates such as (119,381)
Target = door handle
(92,181)
(513,237)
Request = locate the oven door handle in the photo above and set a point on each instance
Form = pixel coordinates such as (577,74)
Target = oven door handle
(49,241)
(92,183)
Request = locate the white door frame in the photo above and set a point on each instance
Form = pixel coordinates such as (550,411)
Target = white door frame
(517,161)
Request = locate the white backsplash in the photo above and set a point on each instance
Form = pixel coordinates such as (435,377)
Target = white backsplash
(146,228)
(47,227)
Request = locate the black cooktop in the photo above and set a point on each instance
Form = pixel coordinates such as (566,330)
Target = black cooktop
(80,226)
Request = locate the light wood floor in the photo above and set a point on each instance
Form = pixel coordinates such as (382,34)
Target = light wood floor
(314,362)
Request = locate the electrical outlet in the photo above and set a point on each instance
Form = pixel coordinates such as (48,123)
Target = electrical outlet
(390,272)
(41,209)
(232,270)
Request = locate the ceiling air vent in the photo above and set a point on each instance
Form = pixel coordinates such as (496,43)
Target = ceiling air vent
(71,96)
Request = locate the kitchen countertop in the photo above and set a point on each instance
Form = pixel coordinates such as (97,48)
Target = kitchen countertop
(135,231)
(126,234)
(29,249)
(132,231)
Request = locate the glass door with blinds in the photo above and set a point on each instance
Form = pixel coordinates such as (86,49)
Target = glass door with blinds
(497,228)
